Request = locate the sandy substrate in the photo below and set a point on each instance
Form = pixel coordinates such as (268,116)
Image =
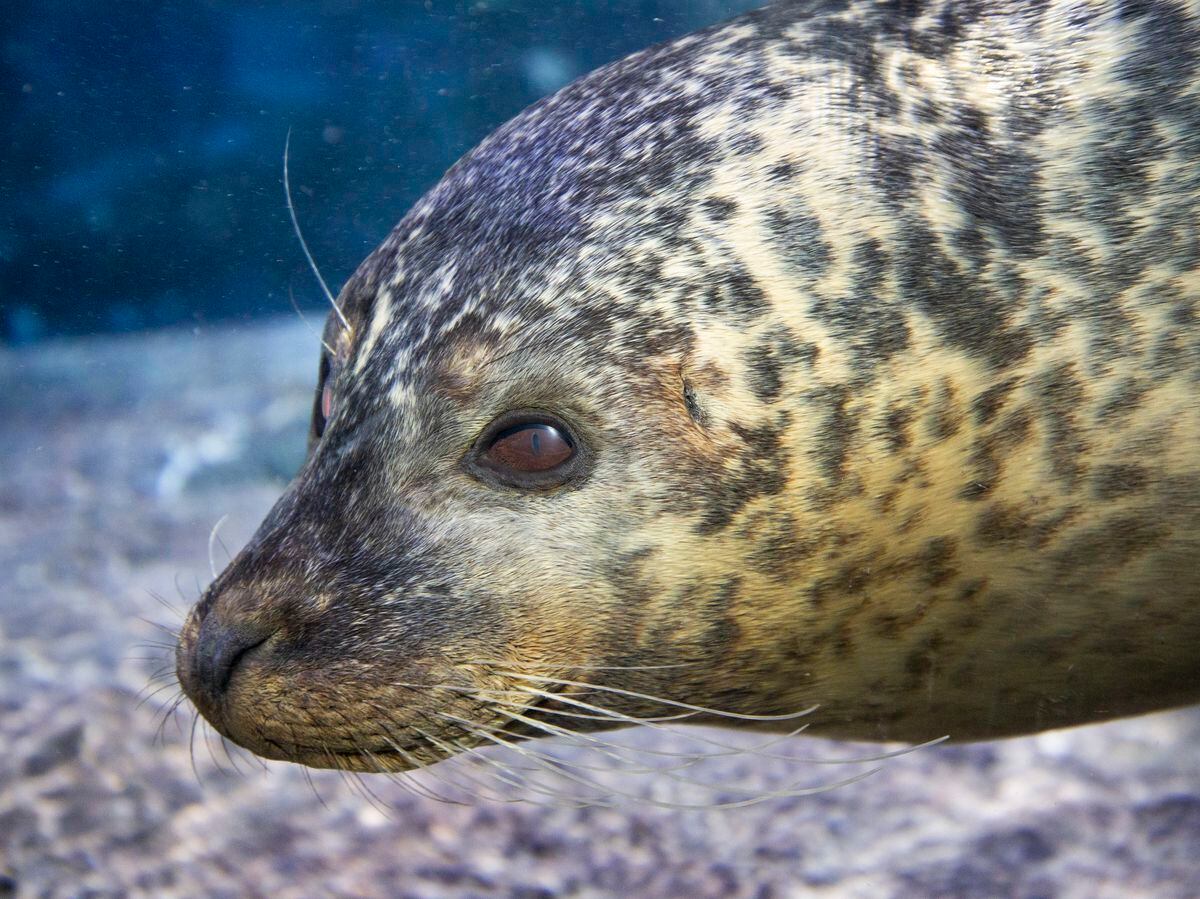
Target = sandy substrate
(118,458)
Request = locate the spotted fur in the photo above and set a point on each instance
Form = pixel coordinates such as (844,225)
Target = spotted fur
(880,322)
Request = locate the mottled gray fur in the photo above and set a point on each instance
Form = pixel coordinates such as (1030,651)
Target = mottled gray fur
(878,323)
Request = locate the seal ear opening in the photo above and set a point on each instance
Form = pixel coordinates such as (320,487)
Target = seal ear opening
(692,402)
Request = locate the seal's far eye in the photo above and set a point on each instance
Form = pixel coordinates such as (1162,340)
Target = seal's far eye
(530,448)
(326,401)
(323,407)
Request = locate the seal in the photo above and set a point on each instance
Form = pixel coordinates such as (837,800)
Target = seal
(842,356)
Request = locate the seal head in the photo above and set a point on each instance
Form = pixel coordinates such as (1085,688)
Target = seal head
(844,355)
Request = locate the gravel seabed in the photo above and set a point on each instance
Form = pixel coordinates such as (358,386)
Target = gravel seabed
(120,454)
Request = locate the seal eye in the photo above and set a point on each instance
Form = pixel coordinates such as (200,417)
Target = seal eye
(532,448)
(326,403)
(323,406)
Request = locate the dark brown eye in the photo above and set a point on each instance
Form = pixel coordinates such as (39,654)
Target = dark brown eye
(529,448)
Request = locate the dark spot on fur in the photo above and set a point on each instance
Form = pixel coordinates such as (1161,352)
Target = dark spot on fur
(990,450)
(758,469)
(945,417)
(779,547)
(799,238)
(782,171)
(1127,398)
(995,183)
(746,143)
(935,558)
(764,373)
(734,293)
(767,360)
(720,209)
(921,662)
(1001,524)
(965,313)
(1113,543)
(895,427)
(972,588)
(1061,394)
(1113,481)
(625,573)
(716,609)
(991,400)
(835,433)
(896,161)
(866,317)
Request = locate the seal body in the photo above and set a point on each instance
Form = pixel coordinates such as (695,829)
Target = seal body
(871,331)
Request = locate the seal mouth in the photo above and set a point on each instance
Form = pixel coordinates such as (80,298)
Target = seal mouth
(397,751)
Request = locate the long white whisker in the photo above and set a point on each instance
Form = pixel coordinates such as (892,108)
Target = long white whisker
(540,762)
(699,709)
(758,750)
(578,666)
(303,318)
(472,754)
(793,790)
(615,751)
(606,716)
(312,263)
(212,539)
(423,789)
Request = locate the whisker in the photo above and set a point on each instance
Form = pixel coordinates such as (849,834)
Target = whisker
(207,737)
(420,788)
(192,747)
(392,777)
(212,537)
(662,771)
(312,263)
(463,754)
(141,702)
(699,709)
(604,714)
(575,666)
(303,318)
(505,774)
(628,719)
(162,627)
(312,784)
(233,764)
(162,601)
(615,751)
(167,713)
(371,796)
(791,791)
(555,767)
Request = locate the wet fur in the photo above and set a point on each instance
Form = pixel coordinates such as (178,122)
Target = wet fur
(880,320)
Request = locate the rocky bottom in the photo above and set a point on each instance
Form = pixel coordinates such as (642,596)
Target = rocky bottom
(120,455)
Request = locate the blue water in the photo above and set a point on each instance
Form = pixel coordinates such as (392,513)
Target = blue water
(142,142)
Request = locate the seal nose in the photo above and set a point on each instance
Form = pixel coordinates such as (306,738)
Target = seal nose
(220,646)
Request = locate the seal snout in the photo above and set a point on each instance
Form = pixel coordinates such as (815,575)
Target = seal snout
(223,636)
(220,647)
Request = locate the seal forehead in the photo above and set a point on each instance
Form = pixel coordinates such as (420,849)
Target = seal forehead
(529,227)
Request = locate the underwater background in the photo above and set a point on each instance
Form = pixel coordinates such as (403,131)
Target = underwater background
(143,142)
(155,388)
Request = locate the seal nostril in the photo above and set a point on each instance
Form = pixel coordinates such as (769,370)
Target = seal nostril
(219,649)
